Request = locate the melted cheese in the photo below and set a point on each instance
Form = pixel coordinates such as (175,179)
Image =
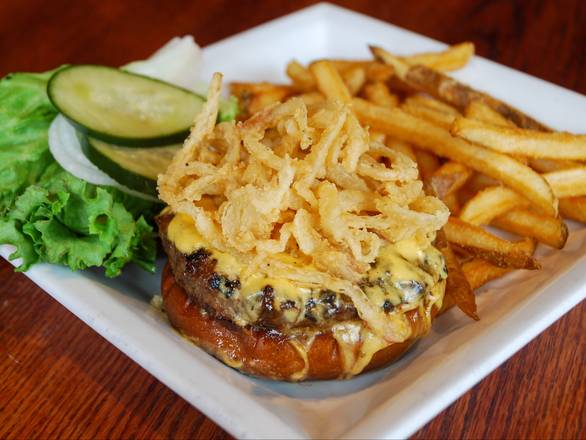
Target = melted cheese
(347,335)
(357,344)
(399,274)
(182,232)
(371,343)
(303,350)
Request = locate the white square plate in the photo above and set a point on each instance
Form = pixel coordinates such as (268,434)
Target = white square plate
(392,402)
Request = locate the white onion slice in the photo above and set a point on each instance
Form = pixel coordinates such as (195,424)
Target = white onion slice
(177,62)
(66,149)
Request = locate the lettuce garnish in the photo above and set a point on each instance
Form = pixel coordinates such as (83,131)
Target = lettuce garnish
(47,213)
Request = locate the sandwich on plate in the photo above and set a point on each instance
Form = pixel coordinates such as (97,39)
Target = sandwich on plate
(299,247)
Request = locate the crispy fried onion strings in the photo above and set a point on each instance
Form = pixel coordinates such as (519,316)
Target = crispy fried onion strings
(302,181)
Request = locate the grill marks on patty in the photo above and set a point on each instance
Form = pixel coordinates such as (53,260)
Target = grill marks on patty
(224,285)
(216,293)
(193,261)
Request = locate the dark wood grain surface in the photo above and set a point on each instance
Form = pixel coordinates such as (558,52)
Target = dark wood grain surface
(59,379)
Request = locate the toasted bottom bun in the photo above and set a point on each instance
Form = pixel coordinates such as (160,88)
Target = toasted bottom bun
(265,352)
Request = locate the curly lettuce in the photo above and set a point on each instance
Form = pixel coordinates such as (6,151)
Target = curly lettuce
(25,116)
(50,215)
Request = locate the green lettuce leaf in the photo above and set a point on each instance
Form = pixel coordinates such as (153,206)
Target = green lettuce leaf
(229,109)
(50,215)
(25,116)
(64,220)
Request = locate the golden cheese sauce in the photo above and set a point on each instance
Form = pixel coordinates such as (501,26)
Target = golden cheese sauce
(182,232)
(402,274)
(403,277)
(303,350)
(355,356)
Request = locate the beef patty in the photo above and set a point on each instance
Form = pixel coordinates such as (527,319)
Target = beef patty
(216,293)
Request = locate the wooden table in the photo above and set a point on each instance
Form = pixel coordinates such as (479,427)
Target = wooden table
(60,379)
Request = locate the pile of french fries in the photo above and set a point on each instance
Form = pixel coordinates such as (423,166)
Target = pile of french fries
(488,162)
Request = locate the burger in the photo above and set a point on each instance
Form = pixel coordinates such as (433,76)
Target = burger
(300,247)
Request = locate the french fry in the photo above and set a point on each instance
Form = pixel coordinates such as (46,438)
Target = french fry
(379,93)
(549,165)
(453,58)
(449,178)
(574,208)
(312,98)
(474,185)
(482,244)
(253,97)
(399,87)
(480,181)
(301,77)
(400,66)
(447,89)
(425,135)
(263,100)
(239,88)
(453,203)
(430,114)
(570,182)
(329,81)
(479,272)
(511,140)
(427,163)
(433,104)
(482,112)
(490,203)
(547,230)
(343,65)
(378,72)
(457,287)
(375,70)
(354,79)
